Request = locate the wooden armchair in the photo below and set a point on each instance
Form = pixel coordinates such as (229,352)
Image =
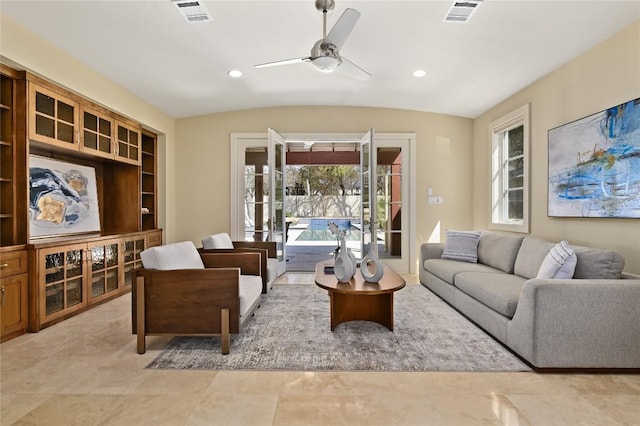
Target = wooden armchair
(221,243)
(181,292)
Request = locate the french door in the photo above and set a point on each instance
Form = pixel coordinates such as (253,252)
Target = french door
(259,200)
(277,184)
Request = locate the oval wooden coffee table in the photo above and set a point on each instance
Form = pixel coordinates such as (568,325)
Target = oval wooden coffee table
(359,299)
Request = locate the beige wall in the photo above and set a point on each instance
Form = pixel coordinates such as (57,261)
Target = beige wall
(604,76)
(443,148)
(194,179)
(25,50)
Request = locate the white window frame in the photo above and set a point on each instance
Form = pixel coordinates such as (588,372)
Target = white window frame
(499,171)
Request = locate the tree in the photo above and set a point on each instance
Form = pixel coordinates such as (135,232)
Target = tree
(329,180)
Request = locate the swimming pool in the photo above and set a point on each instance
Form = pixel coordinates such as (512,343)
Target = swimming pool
(318,230)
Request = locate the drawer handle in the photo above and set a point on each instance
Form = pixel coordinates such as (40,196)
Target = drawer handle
(2,298)
(4,265)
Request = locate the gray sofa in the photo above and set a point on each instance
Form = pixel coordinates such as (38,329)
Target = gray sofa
(589,321)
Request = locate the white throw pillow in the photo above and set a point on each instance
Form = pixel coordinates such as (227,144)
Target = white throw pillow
(217,241)
(182,255)
(461,245)
(560,262)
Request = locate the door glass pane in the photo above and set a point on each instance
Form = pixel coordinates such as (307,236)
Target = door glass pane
(389,202)
(97,258)
(54,298)
(105,144)
(74,292)
(128,275)
(45,104)
(74,263)
(128,251)
(112,255)
(54,267)
(45,126)
(123,149)
(90,140)
(65,112)
(65,132)
(90,122)
(105,127)
(256,194)
(97,284)
(112,280)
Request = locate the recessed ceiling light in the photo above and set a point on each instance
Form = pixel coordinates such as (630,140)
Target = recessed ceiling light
(419,73)
(235,73)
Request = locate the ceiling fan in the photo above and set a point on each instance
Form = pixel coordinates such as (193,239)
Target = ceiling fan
(325,53)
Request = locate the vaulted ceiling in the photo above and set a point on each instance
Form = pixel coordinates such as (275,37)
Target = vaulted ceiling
(149,48)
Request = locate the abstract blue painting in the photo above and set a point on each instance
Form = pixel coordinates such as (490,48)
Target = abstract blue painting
(594,165)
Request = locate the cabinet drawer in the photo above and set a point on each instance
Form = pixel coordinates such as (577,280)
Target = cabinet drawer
(154,239)
(13,262)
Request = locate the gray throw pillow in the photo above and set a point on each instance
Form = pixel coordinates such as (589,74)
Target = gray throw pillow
(461,245)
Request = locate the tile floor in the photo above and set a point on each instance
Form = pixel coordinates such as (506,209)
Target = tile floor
(85,371)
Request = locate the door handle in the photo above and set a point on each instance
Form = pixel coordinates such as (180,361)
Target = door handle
(2,297)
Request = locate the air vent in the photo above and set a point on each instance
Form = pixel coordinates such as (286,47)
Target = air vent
(461,11)
(192,11)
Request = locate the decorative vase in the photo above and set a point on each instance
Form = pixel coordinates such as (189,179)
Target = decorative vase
(345,266)
(370,267)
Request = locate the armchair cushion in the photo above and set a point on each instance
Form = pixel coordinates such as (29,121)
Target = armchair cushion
(182,255)
(217,241)
(250,289)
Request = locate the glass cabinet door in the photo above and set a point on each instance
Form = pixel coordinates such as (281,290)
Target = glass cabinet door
(104,263)
(53,118)
(97,133)
(62,281)
(128,144)
(132,249)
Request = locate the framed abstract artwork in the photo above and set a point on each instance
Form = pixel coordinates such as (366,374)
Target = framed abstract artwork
(594,165)
(63,198)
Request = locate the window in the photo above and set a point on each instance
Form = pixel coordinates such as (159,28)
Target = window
(510,171)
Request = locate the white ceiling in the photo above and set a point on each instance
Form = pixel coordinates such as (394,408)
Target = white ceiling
(148,48)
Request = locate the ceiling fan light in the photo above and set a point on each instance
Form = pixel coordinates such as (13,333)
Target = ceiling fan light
(326,63)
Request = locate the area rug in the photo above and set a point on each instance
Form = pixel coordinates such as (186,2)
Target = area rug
(291,331)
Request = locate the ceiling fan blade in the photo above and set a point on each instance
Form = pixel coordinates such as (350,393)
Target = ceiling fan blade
(285,62)
(341,30)
(352,70)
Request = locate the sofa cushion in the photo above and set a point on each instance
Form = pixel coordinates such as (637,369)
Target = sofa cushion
(597,263)
(461,245)
(182,255)
(250,288)
(498,291)
(217,241)
(530,256)
(559,263)
(499,251)
(446,269)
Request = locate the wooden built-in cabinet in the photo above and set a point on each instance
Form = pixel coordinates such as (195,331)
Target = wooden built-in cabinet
(97,133)
(14,280)
(148,182)
(53,118)
(13,211)
(71,277)
(61,276)
(128,143)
